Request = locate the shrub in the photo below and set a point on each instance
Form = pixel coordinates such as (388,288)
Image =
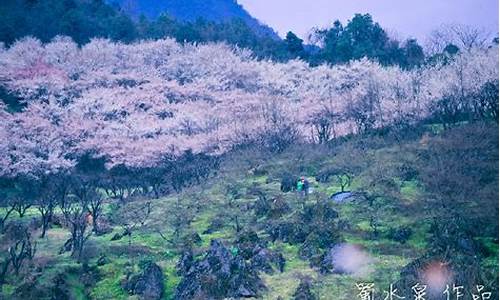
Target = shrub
(288,182)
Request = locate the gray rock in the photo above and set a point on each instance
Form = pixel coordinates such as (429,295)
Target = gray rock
(219,274)
(148,284)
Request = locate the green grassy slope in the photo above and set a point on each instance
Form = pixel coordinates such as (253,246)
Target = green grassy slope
(389,256)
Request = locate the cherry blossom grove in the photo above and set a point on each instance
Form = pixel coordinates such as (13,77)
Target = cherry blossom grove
(137,103)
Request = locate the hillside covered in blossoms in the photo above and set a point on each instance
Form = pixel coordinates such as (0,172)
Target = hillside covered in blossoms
(136,104)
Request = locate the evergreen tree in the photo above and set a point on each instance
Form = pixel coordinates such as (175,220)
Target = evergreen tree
(294,45)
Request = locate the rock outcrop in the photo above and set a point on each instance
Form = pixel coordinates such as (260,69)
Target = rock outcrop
(220,274)
(148,284)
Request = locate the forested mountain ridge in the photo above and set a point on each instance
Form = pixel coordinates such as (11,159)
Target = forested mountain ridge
(191,10)
(84,20)
(195,21)
(79,19)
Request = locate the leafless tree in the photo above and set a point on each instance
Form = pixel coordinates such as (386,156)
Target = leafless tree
(131,216)
(75,209)
(21,248)
(21,205)
(323,125)
(463,36)
(45,205)
(7,210)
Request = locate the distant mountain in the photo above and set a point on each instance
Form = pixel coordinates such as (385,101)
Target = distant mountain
(191,10)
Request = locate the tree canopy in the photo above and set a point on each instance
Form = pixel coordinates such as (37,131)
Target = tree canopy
(136,104)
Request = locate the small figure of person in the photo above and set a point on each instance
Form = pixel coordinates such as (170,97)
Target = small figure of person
(302,190)
(305,186)
(300,186)
(89,219)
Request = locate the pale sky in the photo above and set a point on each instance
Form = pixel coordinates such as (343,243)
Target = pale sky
(407,18)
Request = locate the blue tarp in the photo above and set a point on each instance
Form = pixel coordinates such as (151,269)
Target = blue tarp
(341,196)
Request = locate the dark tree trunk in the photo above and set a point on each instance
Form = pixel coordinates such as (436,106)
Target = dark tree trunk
(5,217)
(46,213)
